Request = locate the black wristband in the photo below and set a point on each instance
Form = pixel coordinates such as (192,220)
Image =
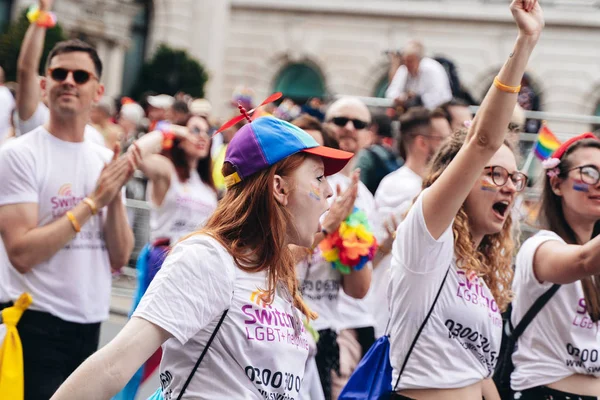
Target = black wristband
(324,231)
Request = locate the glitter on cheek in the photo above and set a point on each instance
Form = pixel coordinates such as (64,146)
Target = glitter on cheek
(488,186)
(581,186)
(314,192)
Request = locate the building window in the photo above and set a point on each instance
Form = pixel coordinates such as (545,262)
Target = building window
(381,87)
(136,54)
(5,13)
(300,82)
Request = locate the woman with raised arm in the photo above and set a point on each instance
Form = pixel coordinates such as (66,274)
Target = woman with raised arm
(182,197)
(225,305)
(557,356)
(452,258)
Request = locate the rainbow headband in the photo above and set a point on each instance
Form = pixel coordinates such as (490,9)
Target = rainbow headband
(551,164)
(352,246)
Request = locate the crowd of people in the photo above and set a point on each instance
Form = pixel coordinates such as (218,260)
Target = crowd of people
(289,243)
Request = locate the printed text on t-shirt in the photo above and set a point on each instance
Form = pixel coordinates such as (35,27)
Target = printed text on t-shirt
(270,324)
(471,291)
(472,340)
(267,381)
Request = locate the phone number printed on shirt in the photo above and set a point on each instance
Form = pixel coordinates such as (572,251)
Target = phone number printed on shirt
(274,380)
(470,339)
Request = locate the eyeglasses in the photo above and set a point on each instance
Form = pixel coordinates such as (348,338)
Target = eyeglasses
(196,131)
(588,174)
(343,121)
(80,76)
(500,176)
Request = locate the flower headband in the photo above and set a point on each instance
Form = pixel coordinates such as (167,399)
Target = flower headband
(551,164)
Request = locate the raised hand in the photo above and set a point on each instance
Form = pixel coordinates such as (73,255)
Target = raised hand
(114,175)
(45,5)
(529,16)
(343,205)
(390,226)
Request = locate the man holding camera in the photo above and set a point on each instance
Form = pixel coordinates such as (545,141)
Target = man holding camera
(417,80)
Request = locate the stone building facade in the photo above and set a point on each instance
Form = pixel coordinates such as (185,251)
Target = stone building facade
(342,42)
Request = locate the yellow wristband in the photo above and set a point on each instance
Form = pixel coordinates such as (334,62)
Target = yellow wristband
(74,222)
(505,88)
(91,204)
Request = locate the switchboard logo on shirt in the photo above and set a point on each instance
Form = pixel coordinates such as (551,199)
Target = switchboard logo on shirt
(267,323)
(258,297)
(65,190)
(64,200)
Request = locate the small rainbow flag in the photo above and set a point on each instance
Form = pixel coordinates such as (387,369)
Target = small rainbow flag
(546,143)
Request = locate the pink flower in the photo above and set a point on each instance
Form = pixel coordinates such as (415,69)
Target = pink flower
(553,172)
(550,163)
(468,123)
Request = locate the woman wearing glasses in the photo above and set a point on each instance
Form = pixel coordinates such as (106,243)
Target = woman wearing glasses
(182,197)
(557,356)
(451,268)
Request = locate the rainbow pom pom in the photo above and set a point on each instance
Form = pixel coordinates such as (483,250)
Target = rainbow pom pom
(352,246)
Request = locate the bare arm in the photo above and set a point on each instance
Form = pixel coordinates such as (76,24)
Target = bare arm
(486,135)
(28,64)
(490,392)
(118,235)
(157,168)
(109,369)
(561,263)
(357,283)
(28,245)
(340,208)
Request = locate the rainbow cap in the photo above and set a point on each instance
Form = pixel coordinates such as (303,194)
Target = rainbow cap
(268,140)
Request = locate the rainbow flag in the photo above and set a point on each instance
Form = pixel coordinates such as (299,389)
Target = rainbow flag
(546,143)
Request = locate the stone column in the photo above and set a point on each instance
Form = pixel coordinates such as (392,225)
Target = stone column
(113,70)
(210,31)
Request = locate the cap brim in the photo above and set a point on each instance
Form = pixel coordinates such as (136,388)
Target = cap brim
(333,160)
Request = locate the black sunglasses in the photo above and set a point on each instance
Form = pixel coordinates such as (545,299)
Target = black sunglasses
(500,177)
(588,174)
(80,76)
(342,121)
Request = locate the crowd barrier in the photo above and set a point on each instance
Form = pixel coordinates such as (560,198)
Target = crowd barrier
(139,210)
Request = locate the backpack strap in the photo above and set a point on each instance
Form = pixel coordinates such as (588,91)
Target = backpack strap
(414,342)
(531,313)
(189,379)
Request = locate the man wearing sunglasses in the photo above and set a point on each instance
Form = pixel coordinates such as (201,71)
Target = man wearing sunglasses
(63,223)
(32,110)
(348,120)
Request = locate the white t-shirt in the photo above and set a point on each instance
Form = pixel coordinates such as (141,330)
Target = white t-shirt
(75,283)
(185,208)
(561,340)
(322,285)
(7,103)
(260,350)
(42,115)
(394,196)
(431,83)
(460,342)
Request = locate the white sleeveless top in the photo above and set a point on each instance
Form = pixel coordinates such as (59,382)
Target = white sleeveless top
(185,208)
(260,350)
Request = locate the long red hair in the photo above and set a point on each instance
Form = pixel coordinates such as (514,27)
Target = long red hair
(251,224)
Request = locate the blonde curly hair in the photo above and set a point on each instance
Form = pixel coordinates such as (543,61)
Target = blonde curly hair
(492,260)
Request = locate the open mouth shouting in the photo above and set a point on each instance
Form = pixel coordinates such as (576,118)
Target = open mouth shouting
(500,209)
